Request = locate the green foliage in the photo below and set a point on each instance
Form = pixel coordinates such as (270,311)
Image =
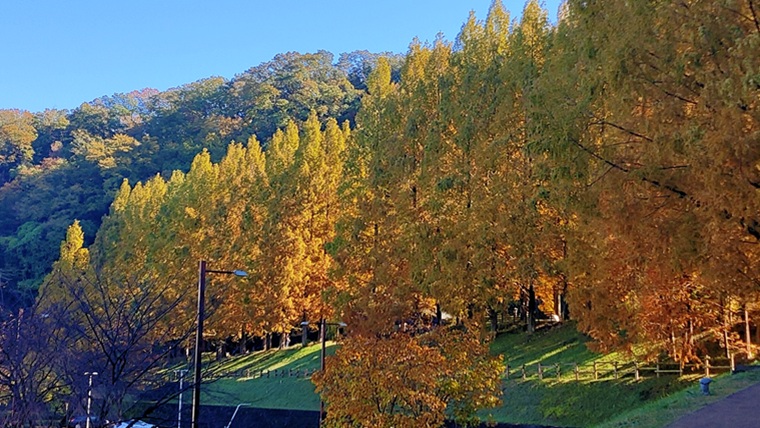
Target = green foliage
(17,133)
(290,86)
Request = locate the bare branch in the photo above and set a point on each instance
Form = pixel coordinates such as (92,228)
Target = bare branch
(754,15)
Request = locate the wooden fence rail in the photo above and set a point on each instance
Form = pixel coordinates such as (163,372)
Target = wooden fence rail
(612,369)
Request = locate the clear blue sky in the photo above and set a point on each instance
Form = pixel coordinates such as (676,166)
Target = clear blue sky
(58,54)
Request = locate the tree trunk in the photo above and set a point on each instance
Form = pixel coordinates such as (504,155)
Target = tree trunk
(725,343)
(493,317)
(724,320)
(673,347)
(747,337)
(243,340)
(531,313)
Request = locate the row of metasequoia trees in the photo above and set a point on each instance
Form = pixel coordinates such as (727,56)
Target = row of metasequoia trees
(608,166)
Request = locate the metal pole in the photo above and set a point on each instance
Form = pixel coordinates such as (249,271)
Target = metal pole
(198,341)
(322,333)
(89,396)
(181,374)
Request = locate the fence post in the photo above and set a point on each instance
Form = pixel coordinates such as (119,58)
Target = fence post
(680,369)
(707,366)
(657,370)
(575,369)
(540,372)
(596,373)
(523,371)
(559,371)
(636,369)
(614,368)
(733,366)
(507,372)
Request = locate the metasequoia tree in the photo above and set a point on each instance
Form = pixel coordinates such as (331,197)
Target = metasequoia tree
(213,212)
(653,131)
(319,163)
(406,243)
(453,201)
(243,210)
(304,169)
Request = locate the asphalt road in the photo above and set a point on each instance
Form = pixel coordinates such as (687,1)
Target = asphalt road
(739,410)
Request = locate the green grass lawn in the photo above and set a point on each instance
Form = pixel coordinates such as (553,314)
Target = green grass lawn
(280,392)
(556,400)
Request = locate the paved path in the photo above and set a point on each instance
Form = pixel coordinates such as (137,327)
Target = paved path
(738,410)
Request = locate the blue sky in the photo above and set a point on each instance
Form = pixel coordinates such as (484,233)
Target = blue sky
(58,54)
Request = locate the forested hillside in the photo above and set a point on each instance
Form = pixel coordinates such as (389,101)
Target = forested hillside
(605,169)
(57,166)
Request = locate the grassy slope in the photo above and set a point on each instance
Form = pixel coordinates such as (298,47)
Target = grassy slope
(606,402)
(565,401)
(268,392)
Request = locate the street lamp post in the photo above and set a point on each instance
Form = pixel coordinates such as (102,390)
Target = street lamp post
(322,333)
(181,374)
(202,271)
(89,395)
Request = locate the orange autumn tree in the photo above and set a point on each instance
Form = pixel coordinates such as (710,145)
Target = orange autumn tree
(402,380)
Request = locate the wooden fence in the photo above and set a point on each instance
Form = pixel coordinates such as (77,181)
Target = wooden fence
(613,370)
(597,370)
(262,373)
